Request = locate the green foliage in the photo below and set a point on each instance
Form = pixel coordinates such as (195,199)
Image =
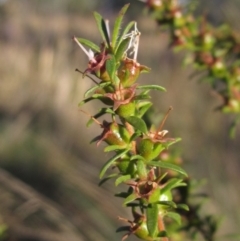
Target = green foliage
(137,148)
(212,51)
(158,189)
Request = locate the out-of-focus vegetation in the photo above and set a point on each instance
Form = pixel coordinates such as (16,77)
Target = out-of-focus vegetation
(48,175)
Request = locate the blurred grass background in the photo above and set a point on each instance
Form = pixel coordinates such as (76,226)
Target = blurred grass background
(48,170)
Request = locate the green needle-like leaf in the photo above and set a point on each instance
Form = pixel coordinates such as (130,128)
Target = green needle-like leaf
(173,183)
(91,90)
(123,178)
(121,48)
(142,97)
(152,219)
(168,165)
(170,204)
(107,178)
(130,198)
(102,27)
(175,216)
(93,97)
(126,31)
(152,87)
(113,148)
(89,44)
(100,113)
(117,25)
(137,157)
(110,162)
(183,206)
(143,108)
(122,194)
(167,144)
(111,67)
(137,123)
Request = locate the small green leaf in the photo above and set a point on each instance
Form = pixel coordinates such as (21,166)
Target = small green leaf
(101,85)
(123,178)
(170,204)
(135,136)
(113,148)
(144,92)
(152,87)
(137,157)
(174,141)
(122,194)
(152,219)
(110,162)
(145,69)
(141,169)
(173,183)
(89,44)
(143,108)
(168,165)
(175,216)
(90,122)
(111,67)
(130,198)
(102,27)
(101,112)
(88,92)
(166,196)
(162,177)
(107,178)
(117,25)
(85,101)
(137,123)
(183,206)
(125,31)
(142,97)
(93,97)
(121,49)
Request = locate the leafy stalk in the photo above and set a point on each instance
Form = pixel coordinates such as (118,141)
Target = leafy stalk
(136,148)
